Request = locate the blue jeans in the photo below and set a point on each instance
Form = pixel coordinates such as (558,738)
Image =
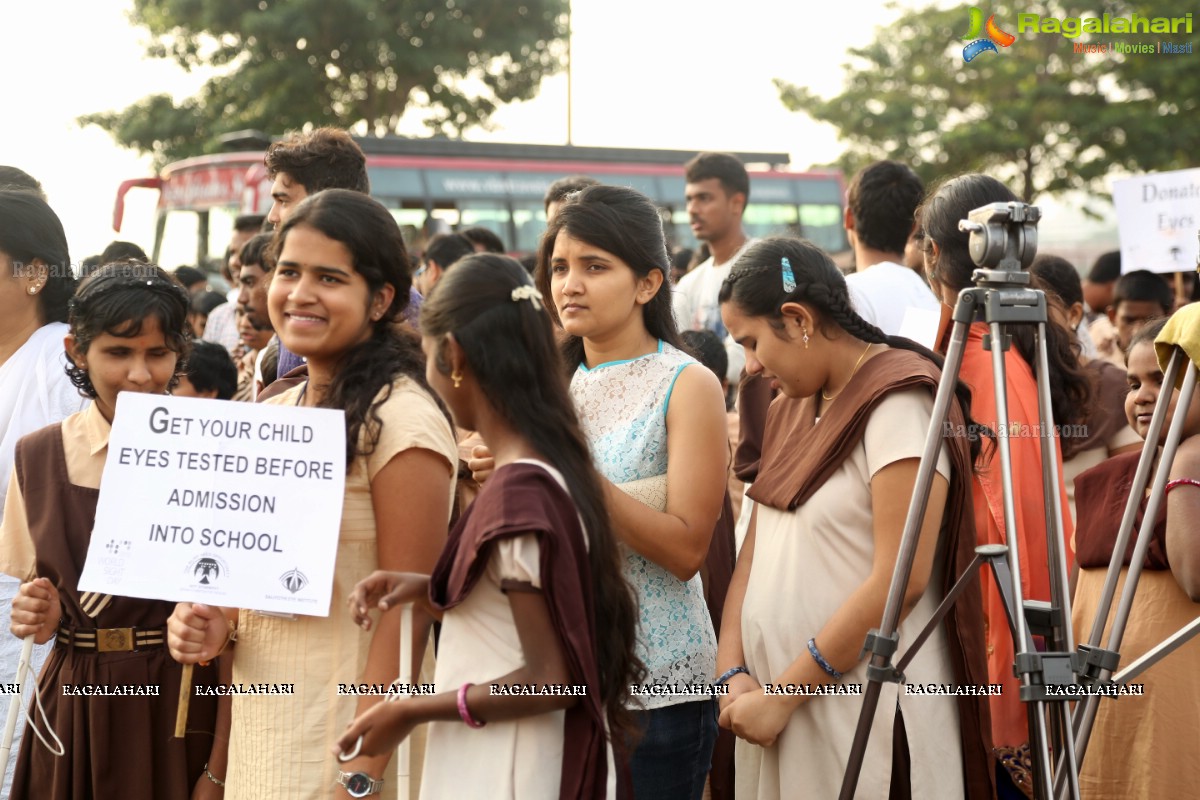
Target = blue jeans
(673,756)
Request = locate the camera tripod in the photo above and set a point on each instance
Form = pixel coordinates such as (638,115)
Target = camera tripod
(1003,235)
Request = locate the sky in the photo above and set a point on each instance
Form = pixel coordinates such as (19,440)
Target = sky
(646,73)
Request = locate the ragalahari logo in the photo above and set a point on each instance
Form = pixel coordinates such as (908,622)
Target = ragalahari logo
(994,36)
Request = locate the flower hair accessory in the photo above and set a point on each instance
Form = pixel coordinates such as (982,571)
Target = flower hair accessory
(789,280)
(529,293)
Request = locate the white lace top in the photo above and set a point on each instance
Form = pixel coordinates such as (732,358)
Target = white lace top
(622,406)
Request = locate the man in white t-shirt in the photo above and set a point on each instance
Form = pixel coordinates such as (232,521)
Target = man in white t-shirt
(880,206)
(716,193)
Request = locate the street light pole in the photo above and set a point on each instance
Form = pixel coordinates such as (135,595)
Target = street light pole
(569,33)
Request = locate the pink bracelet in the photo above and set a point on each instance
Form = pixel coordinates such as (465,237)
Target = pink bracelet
(463,711)
(1181,482)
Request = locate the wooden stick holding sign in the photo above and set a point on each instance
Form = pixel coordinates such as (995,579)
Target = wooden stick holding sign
(185,696)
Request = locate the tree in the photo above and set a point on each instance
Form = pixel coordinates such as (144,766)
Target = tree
(1037,113)
(282,64)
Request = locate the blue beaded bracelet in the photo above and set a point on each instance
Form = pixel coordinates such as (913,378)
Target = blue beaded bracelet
(729,673)
(820,659)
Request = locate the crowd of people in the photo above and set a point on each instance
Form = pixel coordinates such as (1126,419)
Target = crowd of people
(671,487)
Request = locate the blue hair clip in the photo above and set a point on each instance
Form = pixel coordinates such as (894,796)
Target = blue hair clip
(789,280)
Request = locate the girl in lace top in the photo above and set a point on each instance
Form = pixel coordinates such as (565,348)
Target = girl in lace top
(656,420)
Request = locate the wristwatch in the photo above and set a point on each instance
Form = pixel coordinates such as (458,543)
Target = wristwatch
(359,784)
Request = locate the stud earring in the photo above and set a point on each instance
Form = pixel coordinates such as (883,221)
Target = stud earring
(33,290)
(457,377)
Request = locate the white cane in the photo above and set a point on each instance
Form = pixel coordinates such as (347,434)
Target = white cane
(403,765)
(14,705)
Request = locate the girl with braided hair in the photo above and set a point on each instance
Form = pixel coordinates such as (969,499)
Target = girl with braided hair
(841,450)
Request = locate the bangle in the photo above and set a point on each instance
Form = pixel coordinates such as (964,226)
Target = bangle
(465,712)
(212,777)
(1181,482)
(729,673)
(821,662)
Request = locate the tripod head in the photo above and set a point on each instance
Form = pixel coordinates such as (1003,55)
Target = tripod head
(1003,242)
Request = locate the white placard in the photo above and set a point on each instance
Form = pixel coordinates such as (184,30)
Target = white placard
(1158,216)
(211,501)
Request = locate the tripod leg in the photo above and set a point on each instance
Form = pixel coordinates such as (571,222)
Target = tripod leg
(1060,595)
(908,546)
(1039,743)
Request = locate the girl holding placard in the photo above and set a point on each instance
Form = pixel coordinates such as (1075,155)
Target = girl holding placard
(128,333)
(340,283)
(529,588)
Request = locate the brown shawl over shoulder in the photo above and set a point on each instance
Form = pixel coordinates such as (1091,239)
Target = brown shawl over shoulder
(524,498)
(1100,495)
(800,455)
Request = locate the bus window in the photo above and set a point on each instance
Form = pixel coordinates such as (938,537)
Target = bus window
(180,239)
(410,221)
(220,232)
(490,214)
(770,219)
(823,225)
(529,220)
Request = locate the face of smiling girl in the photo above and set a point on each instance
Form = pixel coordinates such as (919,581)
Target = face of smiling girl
(320,305)
(1145,384)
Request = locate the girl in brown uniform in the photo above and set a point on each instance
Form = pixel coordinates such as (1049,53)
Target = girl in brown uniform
(128,334)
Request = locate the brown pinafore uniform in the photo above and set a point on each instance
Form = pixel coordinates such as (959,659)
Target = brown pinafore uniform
(120,746)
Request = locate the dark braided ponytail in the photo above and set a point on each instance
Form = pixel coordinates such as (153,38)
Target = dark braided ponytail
(755,285)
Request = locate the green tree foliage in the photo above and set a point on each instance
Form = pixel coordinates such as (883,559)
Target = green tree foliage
(1036,114)
(1162,93)
(282,64)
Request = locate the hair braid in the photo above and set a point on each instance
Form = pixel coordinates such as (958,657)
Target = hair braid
(836,306)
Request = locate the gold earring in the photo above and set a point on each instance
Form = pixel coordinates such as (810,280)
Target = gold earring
(33,290)
(457,377)
(804,331)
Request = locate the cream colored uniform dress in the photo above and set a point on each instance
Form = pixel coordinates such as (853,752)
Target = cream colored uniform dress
(279,746)
(806,564)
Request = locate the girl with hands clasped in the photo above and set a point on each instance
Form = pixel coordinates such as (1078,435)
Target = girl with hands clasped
(128,333)
(840,456)
(340,283)
(536,652)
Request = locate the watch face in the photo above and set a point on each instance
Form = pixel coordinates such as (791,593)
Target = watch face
(357,784)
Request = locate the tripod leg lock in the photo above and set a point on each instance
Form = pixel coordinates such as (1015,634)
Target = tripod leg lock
(1052,676)
(885,647)
(1090,661)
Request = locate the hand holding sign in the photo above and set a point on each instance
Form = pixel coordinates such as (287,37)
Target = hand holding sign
(229,504)
(196,633)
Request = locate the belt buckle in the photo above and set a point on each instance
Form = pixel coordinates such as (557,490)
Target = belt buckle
(114,640)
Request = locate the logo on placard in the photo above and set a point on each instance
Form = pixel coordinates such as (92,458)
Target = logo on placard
(293,580)
(207,569)
(992,36)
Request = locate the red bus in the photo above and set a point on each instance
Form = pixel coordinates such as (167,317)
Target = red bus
(438,184)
